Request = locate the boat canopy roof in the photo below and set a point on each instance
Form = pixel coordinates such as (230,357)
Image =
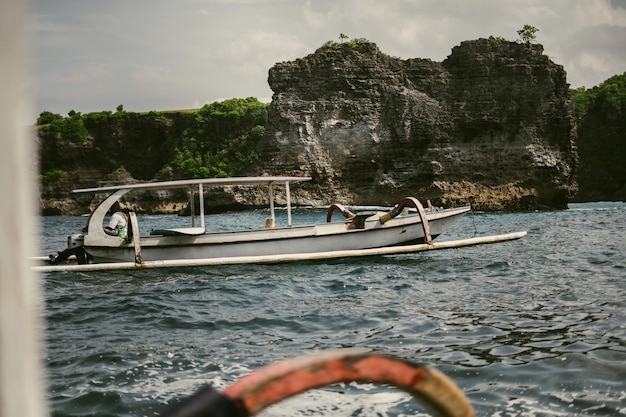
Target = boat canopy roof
(212,182)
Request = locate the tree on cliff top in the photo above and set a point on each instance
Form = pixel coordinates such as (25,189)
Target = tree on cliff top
(527,34)
(46,117)
(71,127)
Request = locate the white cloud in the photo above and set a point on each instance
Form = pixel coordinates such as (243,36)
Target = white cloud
(157,54)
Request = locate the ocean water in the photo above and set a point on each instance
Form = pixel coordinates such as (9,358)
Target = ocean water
(532,327)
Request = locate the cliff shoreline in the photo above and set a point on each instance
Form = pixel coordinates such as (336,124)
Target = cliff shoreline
(492,126)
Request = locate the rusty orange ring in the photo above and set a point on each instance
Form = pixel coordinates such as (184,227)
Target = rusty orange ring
(270,385)
(437,394)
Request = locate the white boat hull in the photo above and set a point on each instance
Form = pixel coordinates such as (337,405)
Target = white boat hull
(337,236)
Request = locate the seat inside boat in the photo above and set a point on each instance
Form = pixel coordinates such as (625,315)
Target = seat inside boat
(189,231)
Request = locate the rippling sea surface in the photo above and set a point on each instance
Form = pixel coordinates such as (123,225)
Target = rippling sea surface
(532,327)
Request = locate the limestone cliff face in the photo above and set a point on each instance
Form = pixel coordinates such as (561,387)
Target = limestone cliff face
(492,125)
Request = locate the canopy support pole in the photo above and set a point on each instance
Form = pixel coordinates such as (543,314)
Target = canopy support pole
(271,192)
(201,197)
(134,227)
(288,203)
(192,206)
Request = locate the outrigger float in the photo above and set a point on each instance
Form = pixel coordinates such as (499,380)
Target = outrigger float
(408,227)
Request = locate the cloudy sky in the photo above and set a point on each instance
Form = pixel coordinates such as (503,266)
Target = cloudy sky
(93,55)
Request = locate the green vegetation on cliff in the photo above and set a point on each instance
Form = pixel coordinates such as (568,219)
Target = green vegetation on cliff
(71,127)
(222,141)
(609,96)
(527,34)
(217,140)
(51,175)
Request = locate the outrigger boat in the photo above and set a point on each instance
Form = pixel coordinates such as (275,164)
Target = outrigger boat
(406,228)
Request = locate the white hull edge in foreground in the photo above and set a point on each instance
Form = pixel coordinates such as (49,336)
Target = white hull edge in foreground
(282,258)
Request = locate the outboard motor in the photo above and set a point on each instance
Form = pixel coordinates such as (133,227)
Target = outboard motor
(75,246)
(75,240)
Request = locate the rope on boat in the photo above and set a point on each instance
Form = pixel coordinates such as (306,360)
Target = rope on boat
(268,386)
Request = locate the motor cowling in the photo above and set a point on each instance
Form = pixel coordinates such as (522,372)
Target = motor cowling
(76,240)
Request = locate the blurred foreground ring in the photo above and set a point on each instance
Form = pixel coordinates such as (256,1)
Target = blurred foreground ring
(261,389)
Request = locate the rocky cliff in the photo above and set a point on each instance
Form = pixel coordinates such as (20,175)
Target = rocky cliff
(602,143)
(492,126)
